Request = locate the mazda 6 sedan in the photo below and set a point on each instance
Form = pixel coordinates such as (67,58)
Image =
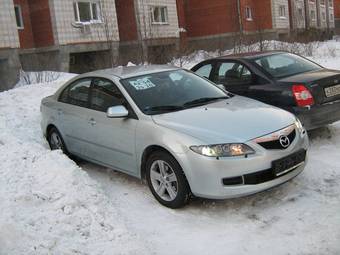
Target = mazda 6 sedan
(180,132)
(282,79)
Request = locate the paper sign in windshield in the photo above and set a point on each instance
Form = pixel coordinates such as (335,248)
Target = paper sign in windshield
(141,84)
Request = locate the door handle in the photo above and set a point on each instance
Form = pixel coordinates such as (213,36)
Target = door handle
(92,121)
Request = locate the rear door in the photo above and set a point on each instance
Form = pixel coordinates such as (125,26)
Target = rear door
(73,120)
(236,77)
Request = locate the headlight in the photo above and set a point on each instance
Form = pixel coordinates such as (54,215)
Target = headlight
(223,150)
(298,125)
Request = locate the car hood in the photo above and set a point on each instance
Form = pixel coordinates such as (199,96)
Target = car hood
(237,119)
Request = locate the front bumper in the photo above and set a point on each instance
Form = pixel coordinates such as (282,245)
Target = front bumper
(318,115)
(205,175)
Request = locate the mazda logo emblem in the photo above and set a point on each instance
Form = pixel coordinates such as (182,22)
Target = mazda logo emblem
(284,141)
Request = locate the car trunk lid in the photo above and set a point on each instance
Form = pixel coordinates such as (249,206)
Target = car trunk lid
(323,84)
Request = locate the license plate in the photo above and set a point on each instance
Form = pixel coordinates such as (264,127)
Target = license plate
(289,163)
(332,91)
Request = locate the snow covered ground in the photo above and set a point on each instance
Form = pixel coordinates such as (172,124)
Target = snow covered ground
(51,205)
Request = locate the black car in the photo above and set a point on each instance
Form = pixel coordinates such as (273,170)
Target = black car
(282,79)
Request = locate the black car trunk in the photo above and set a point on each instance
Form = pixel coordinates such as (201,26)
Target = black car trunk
(323,84)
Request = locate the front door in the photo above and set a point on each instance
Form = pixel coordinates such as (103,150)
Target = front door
(112,139)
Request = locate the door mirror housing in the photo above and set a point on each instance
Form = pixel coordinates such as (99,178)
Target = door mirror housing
(118,111)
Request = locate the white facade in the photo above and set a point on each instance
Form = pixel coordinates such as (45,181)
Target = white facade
(280,11)
(68,30)
(9,37)
(298,14)
(312,15)
(153,29)
(322,14)
(330,13)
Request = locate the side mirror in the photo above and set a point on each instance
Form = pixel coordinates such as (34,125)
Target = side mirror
(118,111)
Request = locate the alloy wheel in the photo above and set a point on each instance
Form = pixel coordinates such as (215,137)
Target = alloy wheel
(164,180)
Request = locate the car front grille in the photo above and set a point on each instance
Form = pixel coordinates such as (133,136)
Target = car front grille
(276,145)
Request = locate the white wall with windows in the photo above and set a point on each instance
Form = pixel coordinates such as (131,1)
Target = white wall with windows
(330,13)
(158,18)
(82,21)
(9,37)
(312,13)
(280,12)
(298,14)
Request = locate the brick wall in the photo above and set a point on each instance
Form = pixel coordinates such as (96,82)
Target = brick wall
(41,23)
(126,19)
(25,33)
(204,18)
(337,9)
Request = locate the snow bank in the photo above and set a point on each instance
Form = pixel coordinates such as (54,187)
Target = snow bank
(28,78)
(48,204)
(325,53)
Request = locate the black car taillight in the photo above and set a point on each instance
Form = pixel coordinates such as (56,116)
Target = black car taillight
(302,95)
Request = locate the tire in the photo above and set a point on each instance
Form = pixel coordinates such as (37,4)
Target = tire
(167,181)
(55,140)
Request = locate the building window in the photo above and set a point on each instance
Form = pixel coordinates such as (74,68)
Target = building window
(330,3)
(159,15)
(249,15)
(18,16)
(331,17)
(312,14)
(300,13)
(87,11)
(282,11)
(323,16)
(322,2)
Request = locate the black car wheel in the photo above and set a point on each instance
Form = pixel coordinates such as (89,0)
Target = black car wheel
(55,140)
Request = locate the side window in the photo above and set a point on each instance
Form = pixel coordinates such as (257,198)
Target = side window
(204,71)
(231,73)
(104,95)
(77,93)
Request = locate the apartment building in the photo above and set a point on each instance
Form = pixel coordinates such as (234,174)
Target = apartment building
(320,15)
(149,29)
(9,45)
(216,22)
(336,6)
(297,15)
(74,36)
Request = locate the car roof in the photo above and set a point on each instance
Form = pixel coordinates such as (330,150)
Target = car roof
(251,55)
(124,72)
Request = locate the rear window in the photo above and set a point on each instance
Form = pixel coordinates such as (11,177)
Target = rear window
(285,64)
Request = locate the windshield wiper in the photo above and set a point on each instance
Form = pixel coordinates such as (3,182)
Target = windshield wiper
(163,108)
(203,100)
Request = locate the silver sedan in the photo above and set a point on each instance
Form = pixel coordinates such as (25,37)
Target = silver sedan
(180,132)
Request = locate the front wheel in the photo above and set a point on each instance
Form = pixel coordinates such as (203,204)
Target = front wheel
(167,181)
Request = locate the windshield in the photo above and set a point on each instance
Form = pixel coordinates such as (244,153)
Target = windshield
(171,91)
(285,64)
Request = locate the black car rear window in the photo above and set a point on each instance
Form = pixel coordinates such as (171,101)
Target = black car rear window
(285,64)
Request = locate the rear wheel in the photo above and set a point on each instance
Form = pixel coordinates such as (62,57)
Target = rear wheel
(55,140)
(166,180)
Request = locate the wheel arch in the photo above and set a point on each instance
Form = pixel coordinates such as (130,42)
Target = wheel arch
(148,151)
